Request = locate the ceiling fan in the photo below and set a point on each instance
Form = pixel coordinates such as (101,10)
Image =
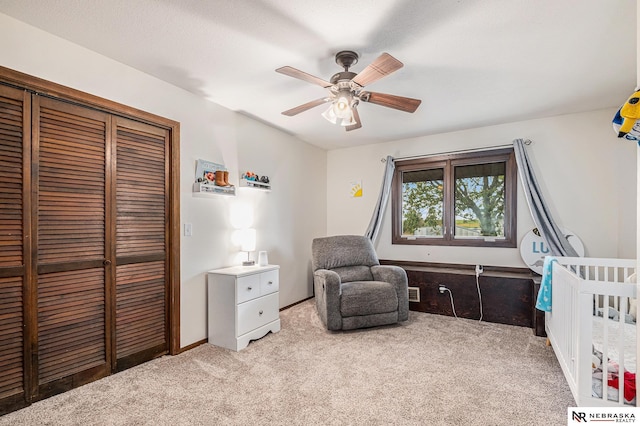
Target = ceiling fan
(346,89)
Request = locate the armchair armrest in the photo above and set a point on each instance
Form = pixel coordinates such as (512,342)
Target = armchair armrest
(327,288)
(398,278)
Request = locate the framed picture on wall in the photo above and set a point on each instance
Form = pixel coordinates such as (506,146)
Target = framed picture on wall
(205,170)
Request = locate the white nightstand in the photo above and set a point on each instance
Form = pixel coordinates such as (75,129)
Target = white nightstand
(243,304)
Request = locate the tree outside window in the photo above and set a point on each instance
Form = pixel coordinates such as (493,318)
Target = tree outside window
(422,202)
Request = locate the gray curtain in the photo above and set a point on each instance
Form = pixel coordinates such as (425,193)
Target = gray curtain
(557,242)
(383,198)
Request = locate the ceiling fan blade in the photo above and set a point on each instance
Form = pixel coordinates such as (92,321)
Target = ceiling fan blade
(301,108)
(356,117)
(296,73)
(392,101)
(384,65)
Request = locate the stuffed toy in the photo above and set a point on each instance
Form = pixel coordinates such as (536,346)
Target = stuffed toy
(627,117)
(250,176)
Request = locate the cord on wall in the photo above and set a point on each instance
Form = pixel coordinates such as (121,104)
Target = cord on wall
(479,270)
(453,308)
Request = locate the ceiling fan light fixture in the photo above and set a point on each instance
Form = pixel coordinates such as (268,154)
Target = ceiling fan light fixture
(330,116)
(341,107)
(349,121)
(344,118)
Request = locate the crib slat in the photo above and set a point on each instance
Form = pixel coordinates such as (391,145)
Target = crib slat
(621,342)
(605,347)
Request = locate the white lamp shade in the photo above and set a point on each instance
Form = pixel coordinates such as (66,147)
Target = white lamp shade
(248,239)
(345,117)
(341,107)
(330,116)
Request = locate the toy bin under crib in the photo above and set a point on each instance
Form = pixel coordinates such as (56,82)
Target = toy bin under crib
(592,328)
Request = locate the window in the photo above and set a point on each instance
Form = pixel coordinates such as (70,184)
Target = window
(459,199)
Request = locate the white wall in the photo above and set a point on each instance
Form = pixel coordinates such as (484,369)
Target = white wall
(587,175)
(294,212)
(286,219)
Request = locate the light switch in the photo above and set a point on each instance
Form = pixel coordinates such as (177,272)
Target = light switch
(188,230)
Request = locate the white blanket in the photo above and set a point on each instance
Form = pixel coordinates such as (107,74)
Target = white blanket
(613,336)
(613,352)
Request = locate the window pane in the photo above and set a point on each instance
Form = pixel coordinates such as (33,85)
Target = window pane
(422,203)
(479,200)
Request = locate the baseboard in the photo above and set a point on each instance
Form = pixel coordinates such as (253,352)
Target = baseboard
(193,345)
(296,303)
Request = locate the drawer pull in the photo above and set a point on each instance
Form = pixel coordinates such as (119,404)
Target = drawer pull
(260,313)
(270,282)
(249,289)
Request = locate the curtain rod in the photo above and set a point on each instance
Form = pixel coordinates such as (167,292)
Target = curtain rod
(526,142)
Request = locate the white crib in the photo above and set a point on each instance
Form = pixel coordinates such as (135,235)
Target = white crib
(581,288)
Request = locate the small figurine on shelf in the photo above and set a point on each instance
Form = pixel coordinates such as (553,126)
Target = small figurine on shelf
(250,176)
(264,179)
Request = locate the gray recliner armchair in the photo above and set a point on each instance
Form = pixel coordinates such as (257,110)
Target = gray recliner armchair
(352,289)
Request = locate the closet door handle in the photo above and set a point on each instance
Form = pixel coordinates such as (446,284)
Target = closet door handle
(106,262)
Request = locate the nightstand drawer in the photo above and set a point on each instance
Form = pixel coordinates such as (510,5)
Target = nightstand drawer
(269,282)
(248,288)
(258,312)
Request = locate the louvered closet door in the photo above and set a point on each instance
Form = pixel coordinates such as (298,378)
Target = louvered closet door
(141,173)
(69,153)
(14,167)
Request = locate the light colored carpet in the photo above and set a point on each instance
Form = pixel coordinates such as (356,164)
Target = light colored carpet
(431,370)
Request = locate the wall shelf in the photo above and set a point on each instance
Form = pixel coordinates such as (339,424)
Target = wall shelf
(255,184)
(205,188)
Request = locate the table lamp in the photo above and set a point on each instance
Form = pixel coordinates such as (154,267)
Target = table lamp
(248,244)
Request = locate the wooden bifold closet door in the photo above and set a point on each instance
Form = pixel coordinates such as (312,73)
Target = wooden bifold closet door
(86,222)
(141,163)
(14,254)
(72,256)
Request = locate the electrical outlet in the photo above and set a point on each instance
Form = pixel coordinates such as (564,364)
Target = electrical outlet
(442,289)
(479,269)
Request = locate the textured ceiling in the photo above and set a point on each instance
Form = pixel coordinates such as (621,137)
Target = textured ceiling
(472,62)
